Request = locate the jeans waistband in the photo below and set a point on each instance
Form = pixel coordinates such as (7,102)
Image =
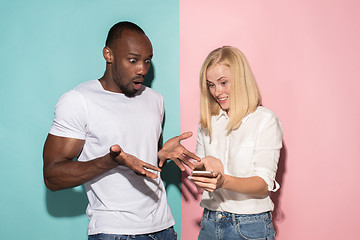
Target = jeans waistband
(226,216)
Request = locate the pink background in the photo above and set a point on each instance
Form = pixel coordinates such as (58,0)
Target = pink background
(306,58)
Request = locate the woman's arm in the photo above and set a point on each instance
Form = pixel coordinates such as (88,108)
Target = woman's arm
(249,185)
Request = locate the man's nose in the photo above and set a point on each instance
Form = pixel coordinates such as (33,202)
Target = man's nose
(142,69)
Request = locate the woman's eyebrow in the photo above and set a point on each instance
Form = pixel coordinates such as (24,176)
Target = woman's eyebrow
(220,78)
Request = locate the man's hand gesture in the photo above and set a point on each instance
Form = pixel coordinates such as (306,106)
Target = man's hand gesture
(173,150)
(132,162)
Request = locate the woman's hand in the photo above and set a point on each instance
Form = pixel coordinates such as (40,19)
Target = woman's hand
(214,165)
(255,185)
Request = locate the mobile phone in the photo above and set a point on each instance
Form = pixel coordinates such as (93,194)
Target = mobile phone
(202,173)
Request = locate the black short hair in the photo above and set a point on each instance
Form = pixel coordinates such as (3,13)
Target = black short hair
(116,30)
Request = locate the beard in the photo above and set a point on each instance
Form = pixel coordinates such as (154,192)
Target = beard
(127,90)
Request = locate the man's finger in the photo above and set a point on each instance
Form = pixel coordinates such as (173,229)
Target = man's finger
(143,172)
(115,150)
(191,155)
(139,170)
(152,167)
(185,135)
(187,162)
(179,164)
(151,175)
(161,162)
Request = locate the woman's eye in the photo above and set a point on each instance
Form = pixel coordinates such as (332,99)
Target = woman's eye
(132,60)
(147,61)
(210,85)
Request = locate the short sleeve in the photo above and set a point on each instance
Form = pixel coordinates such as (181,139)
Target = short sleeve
(267,150)
(162,108)
(70,116)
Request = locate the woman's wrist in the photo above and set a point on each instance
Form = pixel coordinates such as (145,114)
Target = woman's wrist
(224,181)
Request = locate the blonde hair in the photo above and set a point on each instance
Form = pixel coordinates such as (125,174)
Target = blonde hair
(244,93)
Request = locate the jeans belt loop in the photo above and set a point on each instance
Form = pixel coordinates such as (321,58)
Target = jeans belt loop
(206,213)
(233,216)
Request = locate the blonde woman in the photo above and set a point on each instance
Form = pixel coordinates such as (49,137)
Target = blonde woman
(239,141)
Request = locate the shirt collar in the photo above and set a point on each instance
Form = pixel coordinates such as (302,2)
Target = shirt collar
(247,116)
(221,114)
(224,113)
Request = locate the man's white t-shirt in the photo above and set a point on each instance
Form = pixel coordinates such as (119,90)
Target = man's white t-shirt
(120,202)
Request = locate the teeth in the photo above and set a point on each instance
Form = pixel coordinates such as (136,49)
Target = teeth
(222,99)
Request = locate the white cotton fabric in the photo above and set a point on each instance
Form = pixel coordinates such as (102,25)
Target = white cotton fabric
(120,202)
(251,150)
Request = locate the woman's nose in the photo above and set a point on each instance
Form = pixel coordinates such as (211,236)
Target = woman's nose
(217,91)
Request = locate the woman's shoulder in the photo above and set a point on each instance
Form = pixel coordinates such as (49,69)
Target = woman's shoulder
(265,112)
(267,117)
(264,115)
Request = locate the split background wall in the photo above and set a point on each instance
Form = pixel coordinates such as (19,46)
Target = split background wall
(305,56)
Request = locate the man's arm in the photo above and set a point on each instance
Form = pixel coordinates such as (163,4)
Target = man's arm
(60,171)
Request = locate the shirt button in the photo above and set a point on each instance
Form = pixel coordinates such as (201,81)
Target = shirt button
(219,215)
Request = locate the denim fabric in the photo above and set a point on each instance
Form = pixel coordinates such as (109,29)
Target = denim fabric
(167,234)
(228,226)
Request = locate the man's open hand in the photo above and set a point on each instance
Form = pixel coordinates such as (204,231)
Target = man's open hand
(132,162)
(173,150)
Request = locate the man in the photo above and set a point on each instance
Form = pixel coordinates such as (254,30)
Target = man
(109,125)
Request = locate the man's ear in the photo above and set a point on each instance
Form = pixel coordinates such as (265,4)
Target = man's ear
(108,56)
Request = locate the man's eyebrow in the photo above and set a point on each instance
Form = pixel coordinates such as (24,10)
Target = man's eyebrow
(134,54)
(138,55)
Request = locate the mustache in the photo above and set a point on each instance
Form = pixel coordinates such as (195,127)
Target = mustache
(139,77)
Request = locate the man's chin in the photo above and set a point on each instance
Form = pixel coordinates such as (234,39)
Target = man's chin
(133,93)
(130,94)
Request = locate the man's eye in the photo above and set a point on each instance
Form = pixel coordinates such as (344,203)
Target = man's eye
(132,60)
(223,83)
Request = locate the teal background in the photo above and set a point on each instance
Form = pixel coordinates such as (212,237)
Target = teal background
(48,47)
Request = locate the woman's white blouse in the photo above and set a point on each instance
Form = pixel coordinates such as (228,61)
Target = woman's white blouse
(251,150)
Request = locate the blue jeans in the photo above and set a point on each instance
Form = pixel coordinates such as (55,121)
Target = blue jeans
(167,234)
(227,226)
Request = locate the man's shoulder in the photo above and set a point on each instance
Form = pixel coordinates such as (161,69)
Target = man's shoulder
(76,95)
(149,92)
(86,86)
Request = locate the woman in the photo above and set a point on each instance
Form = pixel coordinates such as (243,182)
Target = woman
(239,141)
